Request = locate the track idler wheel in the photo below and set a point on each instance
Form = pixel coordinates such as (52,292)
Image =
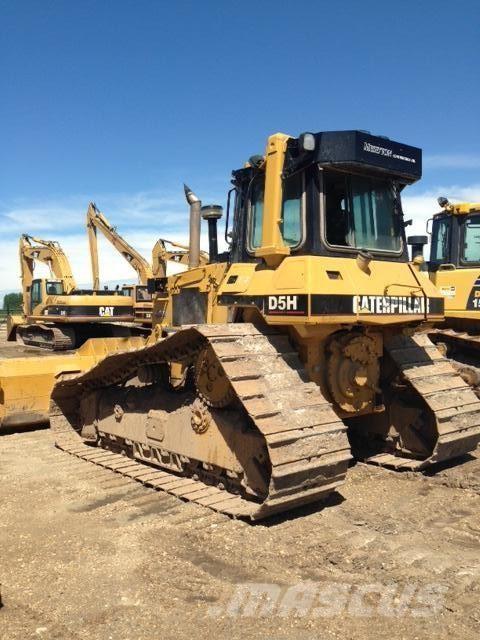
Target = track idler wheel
(211,381)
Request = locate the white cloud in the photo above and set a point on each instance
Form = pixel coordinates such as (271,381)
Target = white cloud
(138,210)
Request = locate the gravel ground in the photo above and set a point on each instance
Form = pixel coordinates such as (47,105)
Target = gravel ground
(86,553)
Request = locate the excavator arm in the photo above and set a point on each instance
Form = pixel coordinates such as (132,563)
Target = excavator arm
(48,252)
(96,220)
(161,255)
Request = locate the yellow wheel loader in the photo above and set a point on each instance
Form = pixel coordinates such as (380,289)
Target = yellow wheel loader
(56,314)
(454,268)
(269,365)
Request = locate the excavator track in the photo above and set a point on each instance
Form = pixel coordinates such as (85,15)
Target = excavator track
(46,337)
(454,406)
(307,445)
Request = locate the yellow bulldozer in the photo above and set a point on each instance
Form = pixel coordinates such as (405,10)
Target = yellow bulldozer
(454,268)
(57,314)
(267,367)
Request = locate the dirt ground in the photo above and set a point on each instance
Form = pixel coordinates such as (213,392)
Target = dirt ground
(88,554)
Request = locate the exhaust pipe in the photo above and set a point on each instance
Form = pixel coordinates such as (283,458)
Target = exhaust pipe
(417,243)
(212,213)
(195,225)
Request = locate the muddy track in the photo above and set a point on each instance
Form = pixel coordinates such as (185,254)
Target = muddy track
(454,406)
(306,442)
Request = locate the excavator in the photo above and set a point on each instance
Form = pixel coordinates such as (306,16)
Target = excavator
(56,314)
(268,367)
(454,268)
(142,305)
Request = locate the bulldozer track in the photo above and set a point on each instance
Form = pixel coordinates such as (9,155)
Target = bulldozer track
(306,441)
(455,406)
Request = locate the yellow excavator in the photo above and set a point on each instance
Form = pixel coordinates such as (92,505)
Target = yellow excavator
(56,314)
(163,252)
(454,268)
(267,367)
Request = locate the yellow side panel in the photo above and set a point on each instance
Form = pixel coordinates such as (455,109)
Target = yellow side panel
(456,286)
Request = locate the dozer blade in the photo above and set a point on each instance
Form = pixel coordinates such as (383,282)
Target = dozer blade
(299,445)
(453,407)
(27,377)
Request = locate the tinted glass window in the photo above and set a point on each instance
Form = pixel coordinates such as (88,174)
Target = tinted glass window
(292,210)
(143,295)
(441,241)
(54,288)
(256,212)
(361,213)
(35,293)
(471,240)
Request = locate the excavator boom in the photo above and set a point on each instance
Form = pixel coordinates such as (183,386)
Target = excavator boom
(179,253)
(96,220)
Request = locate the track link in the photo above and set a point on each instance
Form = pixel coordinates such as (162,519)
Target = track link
(306,441)
(455,406)
(46,337)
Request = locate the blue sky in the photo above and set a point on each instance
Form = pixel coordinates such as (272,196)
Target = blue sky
(121,101)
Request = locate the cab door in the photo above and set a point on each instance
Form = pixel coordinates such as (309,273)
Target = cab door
(36,294)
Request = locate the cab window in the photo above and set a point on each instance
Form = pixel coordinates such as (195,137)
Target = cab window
(471,240)
(440,251)
(54,288)
(36,293)
(256,213)
(361,213)
(293,210)
(143,295)
(292,219)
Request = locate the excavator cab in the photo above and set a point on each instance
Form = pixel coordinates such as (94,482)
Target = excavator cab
(142,302)
(40,289)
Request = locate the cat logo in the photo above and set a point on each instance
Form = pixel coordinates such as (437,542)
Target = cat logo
(378,305)
(105,312)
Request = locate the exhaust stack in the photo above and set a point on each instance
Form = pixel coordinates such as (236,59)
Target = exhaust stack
(195,225)
(417,243)
(212,213)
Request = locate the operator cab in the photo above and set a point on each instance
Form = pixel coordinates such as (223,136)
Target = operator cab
(40,288)
(340,195)
(455,237)
(138,292)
